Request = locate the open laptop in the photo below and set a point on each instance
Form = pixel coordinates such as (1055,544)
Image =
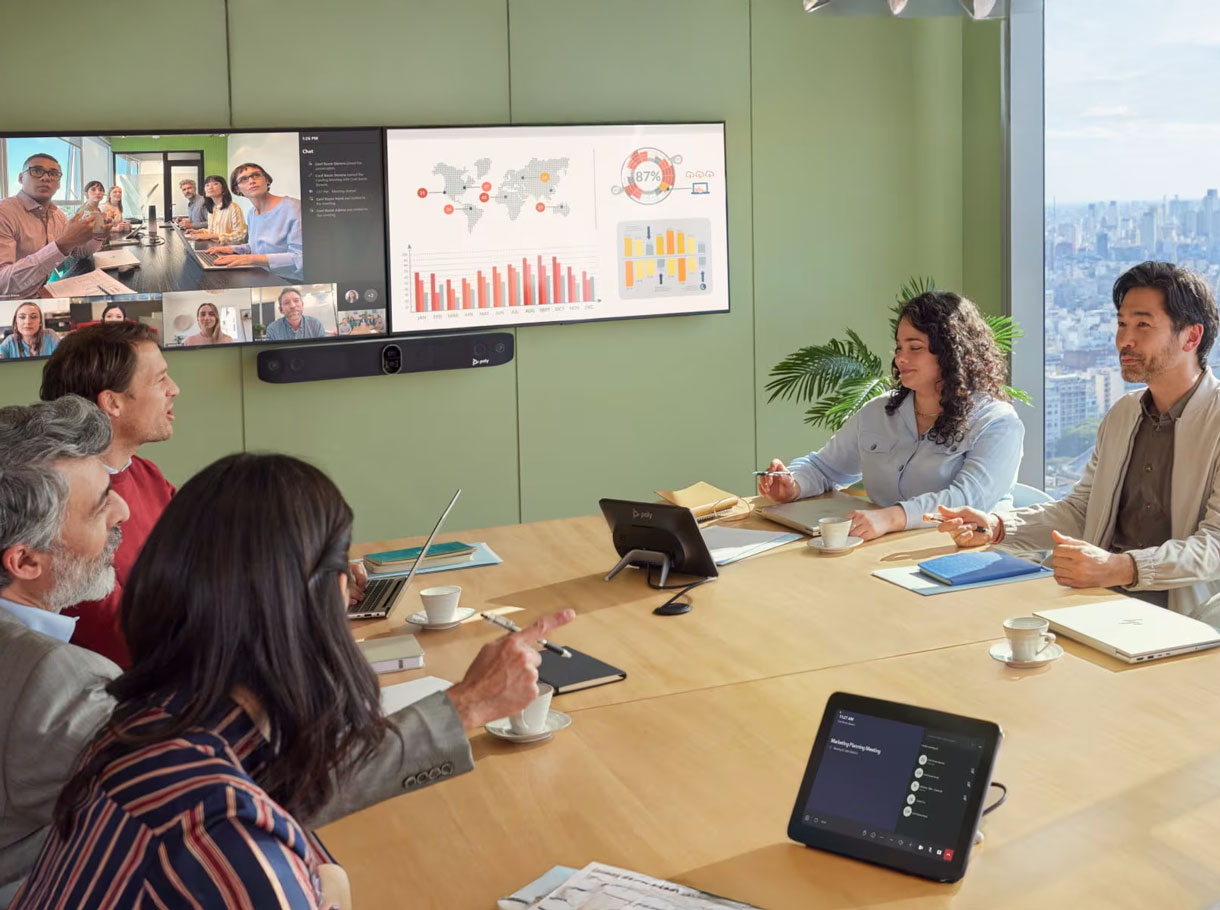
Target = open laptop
(205,258)
(803,515)
(380,594)
(1132,630)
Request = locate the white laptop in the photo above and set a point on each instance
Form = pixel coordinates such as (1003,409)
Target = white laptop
(803,514)
(1132,630)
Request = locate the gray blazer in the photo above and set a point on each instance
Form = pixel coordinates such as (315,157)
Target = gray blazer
(53,699)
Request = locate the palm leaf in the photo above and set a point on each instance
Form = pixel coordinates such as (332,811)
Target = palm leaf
(1005,330)
(815,370)
(835,410)
(913,287)
(1018,395)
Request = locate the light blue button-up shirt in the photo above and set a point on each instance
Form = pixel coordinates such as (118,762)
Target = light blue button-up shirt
(900,467)
(277,235)
(43,621)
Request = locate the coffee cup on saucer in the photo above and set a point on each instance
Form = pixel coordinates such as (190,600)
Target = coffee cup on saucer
(1028,637)
(834,531)
(531,719)
(441,603)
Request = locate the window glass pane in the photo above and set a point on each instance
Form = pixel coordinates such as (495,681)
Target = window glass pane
(66,152)
(1131,175)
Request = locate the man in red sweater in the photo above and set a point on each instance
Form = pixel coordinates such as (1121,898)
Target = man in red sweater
(119,366)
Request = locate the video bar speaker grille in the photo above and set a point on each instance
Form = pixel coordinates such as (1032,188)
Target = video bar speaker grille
(385,356)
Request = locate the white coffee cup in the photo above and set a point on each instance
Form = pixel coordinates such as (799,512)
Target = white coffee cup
(834,531)
(441,603)
(532,719)
(1028,636)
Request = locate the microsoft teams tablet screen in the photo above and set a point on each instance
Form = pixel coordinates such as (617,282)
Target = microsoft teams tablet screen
(895,784)
(208,238)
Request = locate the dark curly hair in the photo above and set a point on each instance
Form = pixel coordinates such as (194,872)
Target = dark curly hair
(970,361)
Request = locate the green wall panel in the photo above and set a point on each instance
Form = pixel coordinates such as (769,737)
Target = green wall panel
(625,408)
(857,156)
(398,446)
(367,62)
(207,412)
(59,63)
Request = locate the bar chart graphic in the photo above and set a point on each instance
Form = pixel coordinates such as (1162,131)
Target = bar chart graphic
(513,279)
(664,258)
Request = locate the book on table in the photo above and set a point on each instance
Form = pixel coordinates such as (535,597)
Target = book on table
(973,566)
(392,653)
(439,554)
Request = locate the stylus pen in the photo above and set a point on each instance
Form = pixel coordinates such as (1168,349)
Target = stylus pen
(772,473)
(497,620)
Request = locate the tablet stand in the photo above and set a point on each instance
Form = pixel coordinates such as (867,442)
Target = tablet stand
(647,557)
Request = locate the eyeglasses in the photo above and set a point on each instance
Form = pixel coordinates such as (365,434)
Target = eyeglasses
(251,175)
(35,171)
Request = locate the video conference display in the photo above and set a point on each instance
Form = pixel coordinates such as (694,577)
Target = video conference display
(296,236)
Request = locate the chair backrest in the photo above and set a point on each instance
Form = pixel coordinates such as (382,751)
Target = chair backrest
(1024,495)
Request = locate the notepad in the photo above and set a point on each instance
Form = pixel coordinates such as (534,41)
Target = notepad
(731,544)
(605,887)
(580,671)
(92,284)
(973,566)
(706,501)
(911,578)
(398,696)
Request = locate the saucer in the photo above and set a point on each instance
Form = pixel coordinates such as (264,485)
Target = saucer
(852,542)
(1002,651)
(555,721)
(420,618)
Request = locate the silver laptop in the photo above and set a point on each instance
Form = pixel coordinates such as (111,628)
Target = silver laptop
(803,514)
(380,593)
(206,259)
(1132,630)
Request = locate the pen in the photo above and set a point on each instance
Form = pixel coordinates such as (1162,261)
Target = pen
(511,626)
(772,473)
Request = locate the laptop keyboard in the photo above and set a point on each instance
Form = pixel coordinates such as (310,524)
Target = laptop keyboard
(379,597)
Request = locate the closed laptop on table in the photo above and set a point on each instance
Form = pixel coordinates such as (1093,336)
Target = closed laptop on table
(1132,630)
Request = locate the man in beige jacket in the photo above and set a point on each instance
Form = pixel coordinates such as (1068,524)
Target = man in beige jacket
(1145,515)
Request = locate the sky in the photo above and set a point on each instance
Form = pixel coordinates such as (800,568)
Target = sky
(1132,100)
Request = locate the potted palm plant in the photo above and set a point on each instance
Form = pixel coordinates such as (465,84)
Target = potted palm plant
(840,377)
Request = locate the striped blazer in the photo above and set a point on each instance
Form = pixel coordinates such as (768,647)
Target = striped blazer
(179,823)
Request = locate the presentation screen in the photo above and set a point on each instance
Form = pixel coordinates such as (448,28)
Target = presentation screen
(208,237)
(523,225)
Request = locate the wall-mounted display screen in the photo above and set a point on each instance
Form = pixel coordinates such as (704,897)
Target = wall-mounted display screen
(521,225)
(245,237)
(211,238)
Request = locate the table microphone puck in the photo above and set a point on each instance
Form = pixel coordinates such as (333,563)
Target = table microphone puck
(677,608)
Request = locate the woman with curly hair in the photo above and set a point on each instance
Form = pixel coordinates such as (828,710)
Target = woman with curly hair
(946,436)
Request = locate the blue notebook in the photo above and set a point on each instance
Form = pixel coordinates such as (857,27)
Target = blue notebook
(976,566)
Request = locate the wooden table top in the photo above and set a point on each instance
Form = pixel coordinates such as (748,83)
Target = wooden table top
(688,769)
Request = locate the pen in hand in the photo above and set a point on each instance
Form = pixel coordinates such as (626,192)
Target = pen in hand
(772,473)
(511,626)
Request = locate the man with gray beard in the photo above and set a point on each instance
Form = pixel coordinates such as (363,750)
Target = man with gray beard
(59,528)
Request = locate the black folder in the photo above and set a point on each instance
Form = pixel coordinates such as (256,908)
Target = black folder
(580,671)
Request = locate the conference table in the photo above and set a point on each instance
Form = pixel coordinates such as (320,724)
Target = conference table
(169,266)
(689,768)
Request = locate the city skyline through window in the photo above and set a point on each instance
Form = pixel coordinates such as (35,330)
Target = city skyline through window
(1131,174)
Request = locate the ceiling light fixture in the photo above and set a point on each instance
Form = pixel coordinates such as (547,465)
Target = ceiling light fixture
(978,9)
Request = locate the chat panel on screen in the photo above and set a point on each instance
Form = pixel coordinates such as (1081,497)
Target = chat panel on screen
(502,226)
(177,213)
